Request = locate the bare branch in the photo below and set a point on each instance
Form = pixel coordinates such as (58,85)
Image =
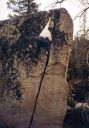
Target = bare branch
(55,3)
(87,2)
(80,14)
(59,1)
(84,1)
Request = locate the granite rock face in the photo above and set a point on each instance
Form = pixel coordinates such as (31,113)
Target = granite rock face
(52,100)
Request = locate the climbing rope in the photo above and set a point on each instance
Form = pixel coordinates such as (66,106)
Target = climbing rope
(40,84)
(39,89)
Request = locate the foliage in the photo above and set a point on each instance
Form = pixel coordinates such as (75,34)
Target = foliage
(78,73)
(22,7)
(77,118)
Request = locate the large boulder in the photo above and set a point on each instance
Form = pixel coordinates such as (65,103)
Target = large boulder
(52,101)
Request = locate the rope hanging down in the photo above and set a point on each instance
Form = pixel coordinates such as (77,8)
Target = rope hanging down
(42,77)
(35,104)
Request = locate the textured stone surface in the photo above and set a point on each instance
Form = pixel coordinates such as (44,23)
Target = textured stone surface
(52,101)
